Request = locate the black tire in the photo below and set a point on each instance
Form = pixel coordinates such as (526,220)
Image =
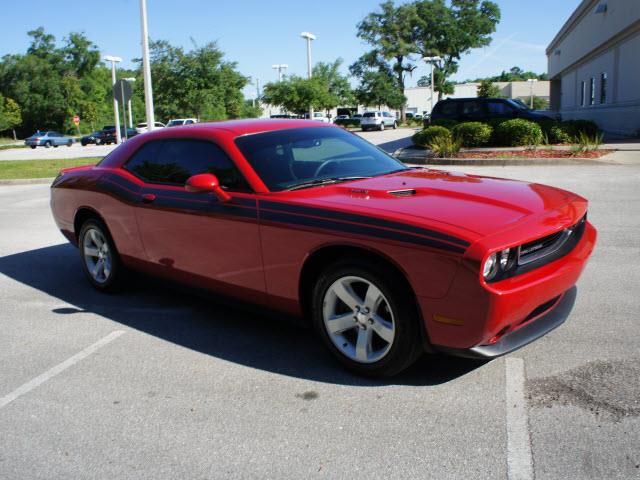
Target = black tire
(83,143)
(406,345)
(32,146)
(69,143)
(395,125)
(56,146)
(381,126)
(115,280)
(47,144)
(98,141)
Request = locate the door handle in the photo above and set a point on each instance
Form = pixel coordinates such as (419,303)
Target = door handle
(148,198)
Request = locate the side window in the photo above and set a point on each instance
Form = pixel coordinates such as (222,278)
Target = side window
(174,161)
(471,108)
(188,122)
(448,109)
(499,108)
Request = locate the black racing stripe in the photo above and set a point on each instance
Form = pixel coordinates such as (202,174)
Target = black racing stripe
(349,217)
(292,218)
(212,207)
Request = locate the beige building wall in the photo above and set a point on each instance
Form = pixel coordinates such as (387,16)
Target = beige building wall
(594,65)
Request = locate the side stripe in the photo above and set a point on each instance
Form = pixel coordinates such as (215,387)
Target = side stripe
(349,217)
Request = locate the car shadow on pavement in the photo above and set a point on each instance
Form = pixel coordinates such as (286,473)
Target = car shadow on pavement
(394,145)
(233,334)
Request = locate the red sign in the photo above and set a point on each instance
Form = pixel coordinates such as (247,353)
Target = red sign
(76,120)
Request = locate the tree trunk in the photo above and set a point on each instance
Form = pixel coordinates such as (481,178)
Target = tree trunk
(400,72)
(14,134)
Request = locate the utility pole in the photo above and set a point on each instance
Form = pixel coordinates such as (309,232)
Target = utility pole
(130,80)
(531,82)
(280,67)
(309,37)
(146,67)
(116,114)
(431,61)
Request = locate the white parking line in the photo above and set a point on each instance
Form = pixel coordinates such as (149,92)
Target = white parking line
(519,457)
(61,367)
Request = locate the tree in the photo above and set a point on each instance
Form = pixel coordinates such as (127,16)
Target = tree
(451,31)
(390,32)
(378,89)
(488,89)
(296,94)
(446,87)
(515,74)
(198,83)
(337,85)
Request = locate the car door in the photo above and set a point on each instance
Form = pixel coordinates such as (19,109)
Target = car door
(471,111)
(194,237)
(500,109)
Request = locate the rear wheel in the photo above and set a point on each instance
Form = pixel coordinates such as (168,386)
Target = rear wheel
(382,126)
(395,125)
(69,143)
(100,260)
(32,146)
(366,318)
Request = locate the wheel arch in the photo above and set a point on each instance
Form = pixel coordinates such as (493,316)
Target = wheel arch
(317,260)
(82,215)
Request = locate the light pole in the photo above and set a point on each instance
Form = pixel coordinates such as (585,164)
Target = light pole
(432,61)
(309,37)
(116,114)
(531,82)
(280,67)
(146,67)
(130,80)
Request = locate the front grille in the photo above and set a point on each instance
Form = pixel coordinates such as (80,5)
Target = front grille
(545,246)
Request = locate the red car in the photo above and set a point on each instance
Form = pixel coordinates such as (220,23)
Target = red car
(386,261)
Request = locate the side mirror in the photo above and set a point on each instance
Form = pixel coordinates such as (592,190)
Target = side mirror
(207,183)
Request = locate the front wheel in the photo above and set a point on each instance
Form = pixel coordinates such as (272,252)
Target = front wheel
(100,260)
(395,125)
(382,126)
(69,143)
(47,144)
(32,146)
(366,318)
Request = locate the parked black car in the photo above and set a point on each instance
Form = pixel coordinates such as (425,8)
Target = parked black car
(483,109)
(107,135)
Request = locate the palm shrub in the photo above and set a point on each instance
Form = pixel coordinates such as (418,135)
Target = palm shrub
(472,134)
(445,147)
(518,132)
(424,137)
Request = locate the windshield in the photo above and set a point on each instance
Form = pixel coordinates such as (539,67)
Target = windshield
(369,114)
(519,104)
(285,159)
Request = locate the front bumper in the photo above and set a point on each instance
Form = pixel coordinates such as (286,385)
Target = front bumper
(524,334)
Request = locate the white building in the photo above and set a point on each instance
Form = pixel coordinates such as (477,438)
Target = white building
(594,65)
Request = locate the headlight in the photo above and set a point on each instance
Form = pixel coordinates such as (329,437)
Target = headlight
(490,267)
(499,264)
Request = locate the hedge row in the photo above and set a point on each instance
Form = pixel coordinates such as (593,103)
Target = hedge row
(509,133)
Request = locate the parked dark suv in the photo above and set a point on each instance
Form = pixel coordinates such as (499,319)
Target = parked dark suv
(482,109)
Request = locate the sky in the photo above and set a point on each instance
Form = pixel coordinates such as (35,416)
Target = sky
(259,33)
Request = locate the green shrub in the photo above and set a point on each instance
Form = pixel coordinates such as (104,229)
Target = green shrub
(518,132)
(472,134)
(559,134)
(348,122)
(576,127)
(425,137)
(444,122)
(445,147)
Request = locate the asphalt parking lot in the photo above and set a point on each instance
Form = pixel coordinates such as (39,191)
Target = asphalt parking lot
(157,384)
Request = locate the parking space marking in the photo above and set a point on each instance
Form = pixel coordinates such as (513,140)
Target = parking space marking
(61,367)
(519,457)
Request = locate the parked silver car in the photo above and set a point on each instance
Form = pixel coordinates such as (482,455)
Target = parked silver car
(377,120)
(48,139)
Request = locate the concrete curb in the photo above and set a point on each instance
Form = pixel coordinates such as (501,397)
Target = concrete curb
(26,181)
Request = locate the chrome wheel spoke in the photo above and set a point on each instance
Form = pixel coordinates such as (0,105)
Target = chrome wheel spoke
(91,251)
(96,238)
(340,323)
(383,328)
(96,269)
(345,293)
(373,298)
(363,344)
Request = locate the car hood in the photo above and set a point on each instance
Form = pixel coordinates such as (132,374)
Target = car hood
(467,205)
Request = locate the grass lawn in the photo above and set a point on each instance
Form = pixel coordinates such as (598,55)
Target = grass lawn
(21,169)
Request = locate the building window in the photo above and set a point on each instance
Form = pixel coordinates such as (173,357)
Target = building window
(592,91)
(603,87)
(582,93)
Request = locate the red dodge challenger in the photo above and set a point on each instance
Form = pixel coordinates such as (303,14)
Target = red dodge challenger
(386,261)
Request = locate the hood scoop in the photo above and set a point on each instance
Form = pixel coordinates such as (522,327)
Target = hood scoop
(405,192)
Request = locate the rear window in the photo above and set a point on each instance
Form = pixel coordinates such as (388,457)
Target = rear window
(448,109)
(369,114)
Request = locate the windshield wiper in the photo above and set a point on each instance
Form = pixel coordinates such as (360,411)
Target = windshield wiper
(324,181)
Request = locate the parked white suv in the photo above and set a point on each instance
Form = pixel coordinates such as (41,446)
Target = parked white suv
(177,122)
(377,120)
(318,116)
(142,127)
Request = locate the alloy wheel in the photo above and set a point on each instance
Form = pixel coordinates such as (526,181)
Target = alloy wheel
(97,255)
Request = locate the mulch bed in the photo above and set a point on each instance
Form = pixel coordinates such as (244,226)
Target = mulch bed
(540,153)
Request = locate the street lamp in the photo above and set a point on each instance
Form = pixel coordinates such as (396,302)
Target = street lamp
(114,60)
(531,82)
(130,80)
(432,61)
(146,67)
(280,67)
(309,37)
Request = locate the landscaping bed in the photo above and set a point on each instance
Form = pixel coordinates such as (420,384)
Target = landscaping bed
(539,153)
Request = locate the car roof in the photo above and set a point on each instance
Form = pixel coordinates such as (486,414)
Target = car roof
(246,126)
